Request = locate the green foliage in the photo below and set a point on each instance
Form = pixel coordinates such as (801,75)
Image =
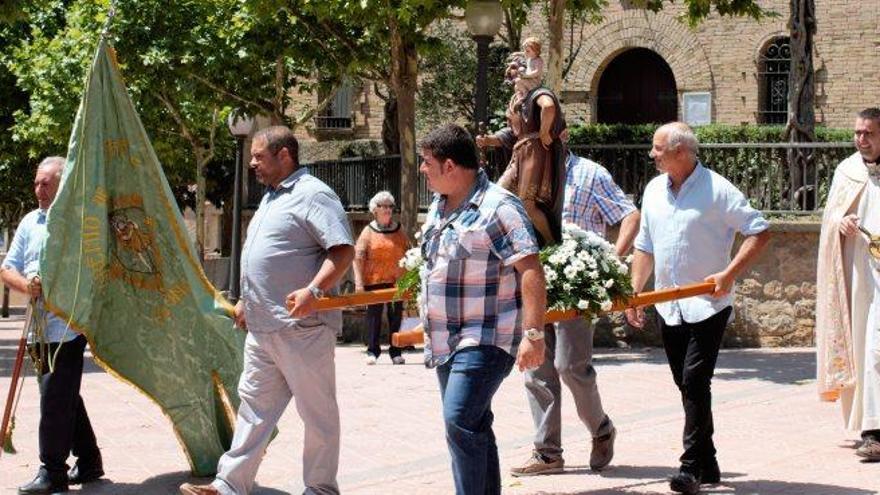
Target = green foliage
(697,10)
(592,134)
(448,65)
(361,148)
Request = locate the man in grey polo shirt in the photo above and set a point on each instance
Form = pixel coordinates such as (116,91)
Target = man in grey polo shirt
(298,246)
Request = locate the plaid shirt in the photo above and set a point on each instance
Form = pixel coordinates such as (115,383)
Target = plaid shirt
(470,289)
(592,199)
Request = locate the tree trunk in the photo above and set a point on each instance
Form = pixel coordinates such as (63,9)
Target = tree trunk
(514,30)
(404,72)
(390,133)
(801,111)
(556,27)
(200,206)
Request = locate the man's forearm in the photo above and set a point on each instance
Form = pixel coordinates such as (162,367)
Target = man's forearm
(751,247)
(14,280)
(534,292)
(629,227)
(643,264)
(338,260)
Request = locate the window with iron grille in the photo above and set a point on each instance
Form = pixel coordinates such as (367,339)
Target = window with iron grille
(337,114)
(773,68)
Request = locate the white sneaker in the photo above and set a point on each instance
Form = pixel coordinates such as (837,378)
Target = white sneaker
(398,360)
(371,359)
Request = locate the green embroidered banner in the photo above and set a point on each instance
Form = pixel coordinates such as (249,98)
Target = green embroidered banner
(119,265)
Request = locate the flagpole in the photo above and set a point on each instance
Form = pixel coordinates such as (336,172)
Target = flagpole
(16,374)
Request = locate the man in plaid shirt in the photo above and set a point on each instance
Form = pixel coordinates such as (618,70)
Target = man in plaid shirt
(482,293)
(592,202)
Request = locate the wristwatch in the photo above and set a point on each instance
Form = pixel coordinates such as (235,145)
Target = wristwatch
(316,291)
(534,334)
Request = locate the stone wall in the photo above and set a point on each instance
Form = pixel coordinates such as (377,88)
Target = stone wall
(720,55)
(774,304)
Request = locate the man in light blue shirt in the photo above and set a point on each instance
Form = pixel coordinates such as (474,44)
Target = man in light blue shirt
(298,246)
(690,216)
(64,423)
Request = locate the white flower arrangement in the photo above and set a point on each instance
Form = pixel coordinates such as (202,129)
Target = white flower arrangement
(583,272)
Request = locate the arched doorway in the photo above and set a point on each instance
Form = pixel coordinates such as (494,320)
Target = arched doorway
(637,87)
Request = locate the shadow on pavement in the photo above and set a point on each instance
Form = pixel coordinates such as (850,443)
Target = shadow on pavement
(165,484)
(755,487)
(733,364)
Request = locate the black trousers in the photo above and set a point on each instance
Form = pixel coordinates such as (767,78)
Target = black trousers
(374,322)
(64,423)
(692,350)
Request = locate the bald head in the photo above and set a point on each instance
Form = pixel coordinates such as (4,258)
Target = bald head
(680,135)
(47,180)
(674,149)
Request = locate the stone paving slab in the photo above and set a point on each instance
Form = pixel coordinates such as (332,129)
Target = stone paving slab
(773,435)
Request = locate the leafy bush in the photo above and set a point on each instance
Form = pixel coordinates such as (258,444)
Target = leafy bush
(592,134)
(362,148)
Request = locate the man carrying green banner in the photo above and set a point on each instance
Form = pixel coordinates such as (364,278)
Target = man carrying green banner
(119,268)
(57,353)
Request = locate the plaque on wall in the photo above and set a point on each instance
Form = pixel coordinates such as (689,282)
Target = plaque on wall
(697,107)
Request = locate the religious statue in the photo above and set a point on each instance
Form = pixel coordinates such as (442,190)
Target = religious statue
(536,171)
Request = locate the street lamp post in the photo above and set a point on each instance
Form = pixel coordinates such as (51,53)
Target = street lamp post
(240,127)
(483,18)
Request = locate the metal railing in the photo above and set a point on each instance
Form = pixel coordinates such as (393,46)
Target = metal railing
(759,170)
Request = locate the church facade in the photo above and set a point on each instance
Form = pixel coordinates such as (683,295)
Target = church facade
(637,66)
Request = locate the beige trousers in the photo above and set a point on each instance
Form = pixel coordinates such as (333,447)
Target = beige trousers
(291,363)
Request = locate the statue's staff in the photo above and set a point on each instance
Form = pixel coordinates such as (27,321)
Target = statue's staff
(402,339)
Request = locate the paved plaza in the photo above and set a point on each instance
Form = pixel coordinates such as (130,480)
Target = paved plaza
(773,435)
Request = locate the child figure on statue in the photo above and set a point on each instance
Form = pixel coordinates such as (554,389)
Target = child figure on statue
(526,74)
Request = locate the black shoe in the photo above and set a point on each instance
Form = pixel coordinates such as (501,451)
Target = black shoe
(78,476)
(685,483)
(709,474)
(45,484)
(86,472)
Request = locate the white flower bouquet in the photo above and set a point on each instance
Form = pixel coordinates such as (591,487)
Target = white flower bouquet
(410,282)
(583,272)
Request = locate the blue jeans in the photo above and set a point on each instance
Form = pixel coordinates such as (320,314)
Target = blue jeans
(468,381)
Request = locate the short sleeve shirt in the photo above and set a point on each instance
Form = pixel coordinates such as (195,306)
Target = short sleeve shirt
(24,257)
(691,236)
(287,242)
(470,289)
(592,199)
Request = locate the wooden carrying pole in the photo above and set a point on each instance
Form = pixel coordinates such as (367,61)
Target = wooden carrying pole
(403,339)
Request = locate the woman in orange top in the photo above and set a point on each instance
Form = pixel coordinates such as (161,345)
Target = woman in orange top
(379,248)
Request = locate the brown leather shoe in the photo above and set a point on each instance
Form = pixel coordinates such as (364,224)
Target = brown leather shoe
(603,450)
(190,489)
(538,465)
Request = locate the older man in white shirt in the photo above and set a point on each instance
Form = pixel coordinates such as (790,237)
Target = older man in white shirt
(690,216)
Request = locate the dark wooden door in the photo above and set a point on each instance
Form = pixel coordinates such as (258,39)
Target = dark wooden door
(637,87)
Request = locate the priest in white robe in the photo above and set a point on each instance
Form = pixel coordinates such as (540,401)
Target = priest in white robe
(848,288)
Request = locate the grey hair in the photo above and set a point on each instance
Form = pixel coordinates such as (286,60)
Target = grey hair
(381,196)
(680,134)
(51,161)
